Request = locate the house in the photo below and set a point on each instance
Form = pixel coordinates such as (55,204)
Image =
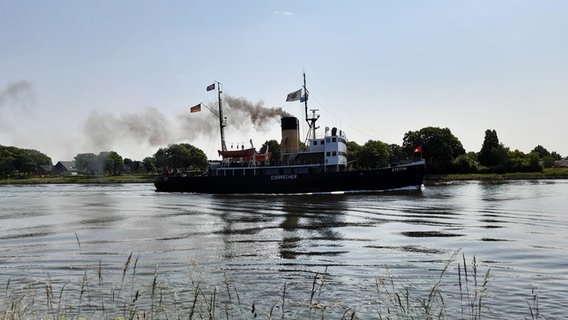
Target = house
(561,163)
(65,168)
(44,168)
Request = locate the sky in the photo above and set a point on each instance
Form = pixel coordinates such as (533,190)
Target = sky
(91,76)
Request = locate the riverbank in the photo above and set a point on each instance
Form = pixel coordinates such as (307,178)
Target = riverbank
(550,173)
(79,179)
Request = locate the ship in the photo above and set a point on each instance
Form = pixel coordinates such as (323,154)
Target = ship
(318,166)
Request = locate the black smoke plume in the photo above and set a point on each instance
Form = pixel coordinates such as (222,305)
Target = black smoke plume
(256,113)
(151,127)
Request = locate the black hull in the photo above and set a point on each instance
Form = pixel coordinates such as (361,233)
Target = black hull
(410,175)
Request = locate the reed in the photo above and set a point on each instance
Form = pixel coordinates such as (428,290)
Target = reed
(396,302)
(131,298)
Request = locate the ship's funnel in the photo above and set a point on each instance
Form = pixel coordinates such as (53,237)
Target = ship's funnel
(290,135)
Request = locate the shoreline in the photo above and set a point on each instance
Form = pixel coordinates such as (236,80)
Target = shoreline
(547,174)
(80,180)
(429,179)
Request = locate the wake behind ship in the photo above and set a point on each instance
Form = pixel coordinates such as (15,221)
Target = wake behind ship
(319,167)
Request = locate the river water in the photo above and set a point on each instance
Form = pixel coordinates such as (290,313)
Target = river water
(64,251)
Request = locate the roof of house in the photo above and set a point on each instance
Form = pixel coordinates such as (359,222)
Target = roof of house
(67,165)
(561,163)
(45,167)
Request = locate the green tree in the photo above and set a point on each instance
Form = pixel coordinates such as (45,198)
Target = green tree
(541,151)
(107,162)
(397,153)
(88,163)
(374,154)
(555,155)
(518,161)
(7,160)
(129,165)
(149,164)
(492,153)
(518,158)
(439,147)
(353,153)
(466,163)
(545,156)
(36,157)
(180,156)
(24,163)
(197,158)
(161,159)
(534,162)
(274,147)
(21,161)
(113,163)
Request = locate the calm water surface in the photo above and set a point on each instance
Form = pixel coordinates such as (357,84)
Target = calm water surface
(82,235)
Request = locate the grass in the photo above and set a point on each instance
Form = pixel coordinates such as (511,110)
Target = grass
(461,294)
(48,179)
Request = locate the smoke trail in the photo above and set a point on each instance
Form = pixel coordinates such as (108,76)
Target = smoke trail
(134,132)
(258,115)
(16,100)
(148,127)
(151,128)
(17,95)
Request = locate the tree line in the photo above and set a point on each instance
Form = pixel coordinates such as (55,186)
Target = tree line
(444,154)
(17,162)
(442,150)
(171,159)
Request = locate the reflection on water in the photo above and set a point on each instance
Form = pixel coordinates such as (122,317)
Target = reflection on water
(516,229)
(290,225)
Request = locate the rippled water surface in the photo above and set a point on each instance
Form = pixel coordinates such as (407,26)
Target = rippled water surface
(263,249)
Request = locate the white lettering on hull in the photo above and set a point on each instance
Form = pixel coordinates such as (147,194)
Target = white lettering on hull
(284,177)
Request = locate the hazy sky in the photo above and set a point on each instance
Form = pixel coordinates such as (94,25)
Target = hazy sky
(92,76)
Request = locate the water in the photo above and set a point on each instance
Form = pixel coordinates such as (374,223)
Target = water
(360,249)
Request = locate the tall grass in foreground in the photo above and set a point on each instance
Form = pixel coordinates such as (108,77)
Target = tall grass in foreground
(452,295)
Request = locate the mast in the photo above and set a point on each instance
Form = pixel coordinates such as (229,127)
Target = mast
(311,121)
(222,120)
(306,98)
